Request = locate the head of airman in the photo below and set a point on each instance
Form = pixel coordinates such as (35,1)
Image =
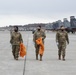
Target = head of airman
(62,28)
(39,28)
(16,28)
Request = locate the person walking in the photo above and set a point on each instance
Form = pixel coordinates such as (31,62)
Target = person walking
(39,33)
(61,39)
(16,39)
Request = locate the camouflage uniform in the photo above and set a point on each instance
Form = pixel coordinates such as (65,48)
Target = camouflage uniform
(16,39)
(61,38)
(37,35)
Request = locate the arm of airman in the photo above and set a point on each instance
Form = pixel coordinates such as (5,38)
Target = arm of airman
(34,36)
(67,38)
(11,39)
(43,36)
(57,36)
(21,40)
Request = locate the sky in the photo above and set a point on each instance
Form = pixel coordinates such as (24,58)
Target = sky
(22,12)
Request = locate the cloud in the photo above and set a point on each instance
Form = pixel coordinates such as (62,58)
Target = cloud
(37,6)
(29,11)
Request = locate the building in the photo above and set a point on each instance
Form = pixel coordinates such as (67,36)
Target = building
(49,26)
(66,23)
(57,24)
(73,21)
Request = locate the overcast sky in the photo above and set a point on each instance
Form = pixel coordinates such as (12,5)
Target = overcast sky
(23,12)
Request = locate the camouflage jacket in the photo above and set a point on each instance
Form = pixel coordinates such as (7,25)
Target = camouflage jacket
(39,34)
(16,38)
(62,37)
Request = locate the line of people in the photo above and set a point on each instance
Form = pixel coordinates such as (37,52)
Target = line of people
(38,38)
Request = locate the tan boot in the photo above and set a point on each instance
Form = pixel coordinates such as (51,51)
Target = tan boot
(16,58)
(36,56)
(59,57)
(40,57)
(63,58)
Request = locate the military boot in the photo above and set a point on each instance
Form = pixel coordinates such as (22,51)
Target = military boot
(16,58)
(59,57)
(63,58)
(40,57)
(36,56)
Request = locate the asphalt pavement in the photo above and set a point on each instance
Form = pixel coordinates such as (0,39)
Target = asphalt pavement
(29,65)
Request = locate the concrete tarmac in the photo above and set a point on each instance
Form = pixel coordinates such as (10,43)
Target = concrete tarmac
(50,64)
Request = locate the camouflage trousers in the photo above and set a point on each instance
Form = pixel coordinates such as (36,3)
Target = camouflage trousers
(15,50)
(37,49)
(62,47)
